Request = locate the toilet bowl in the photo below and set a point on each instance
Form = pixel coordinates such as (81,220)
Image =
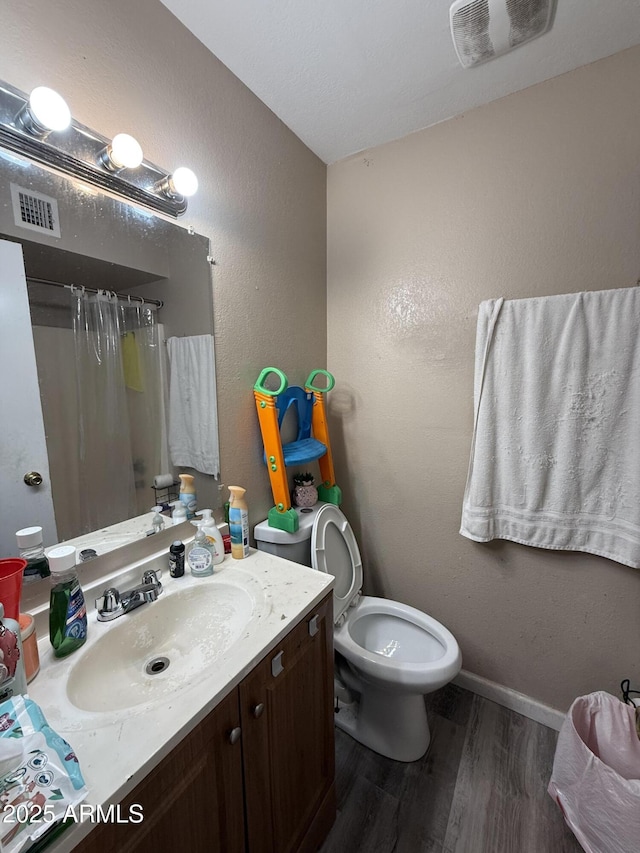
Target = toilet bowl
(388,654)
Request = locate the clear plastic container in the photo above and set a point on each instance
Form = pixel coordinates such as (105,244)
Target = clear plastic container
(31,549)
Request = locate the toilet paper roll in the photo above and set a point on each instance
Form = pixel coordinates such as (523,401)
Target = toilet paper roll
(161,481)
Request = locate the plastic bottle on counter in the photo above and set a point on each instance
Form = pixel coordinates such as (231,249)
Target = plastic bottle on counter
(238,523)
(31,549)
(188,494)
(179,512)
(176,559)
(200,553)
(67,609)
(212,532)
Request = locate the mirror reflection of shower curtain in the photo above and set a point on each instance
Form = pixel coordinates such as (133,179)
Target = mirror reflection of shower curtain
(117,371)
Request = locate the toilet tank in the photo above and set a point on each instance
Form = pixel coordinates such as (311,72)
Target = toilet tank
(291,546)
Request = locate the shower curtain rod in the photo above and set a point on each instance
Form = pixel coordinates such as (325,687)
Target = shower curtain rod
(124,296)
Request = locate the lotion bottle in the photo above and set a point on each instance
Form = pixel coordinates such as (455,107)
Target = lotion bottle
(238,523)
(213,534)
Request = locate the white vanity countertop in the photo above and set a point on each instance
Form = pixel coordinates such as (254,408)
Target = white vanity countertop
(117,749)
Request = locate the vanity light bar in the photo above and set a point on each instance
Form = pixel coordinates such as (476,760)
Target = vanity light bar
(113,165)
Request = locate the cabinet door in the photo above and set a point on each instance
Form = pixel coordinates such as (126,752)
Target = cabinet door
(193,800)
(286,707)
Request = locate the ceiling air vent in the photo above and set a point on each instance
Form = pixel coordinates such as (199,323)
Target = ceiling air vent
(484,29)
(35,211)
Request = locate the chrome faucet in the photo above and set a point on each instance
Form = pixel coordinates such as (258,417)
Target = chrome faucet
(113,603)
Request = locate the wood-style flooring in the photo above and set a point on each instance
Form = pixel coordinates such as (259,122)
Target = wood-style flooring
(481,787)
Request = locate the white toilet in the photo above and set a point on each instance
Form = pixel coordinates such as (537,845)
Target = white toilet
(388,655)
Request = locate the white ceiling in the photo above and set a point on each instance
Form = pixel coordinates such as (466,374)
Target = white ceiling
(345,75)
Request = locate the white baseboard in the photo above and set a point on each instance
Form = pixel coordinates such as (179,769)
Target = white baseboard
(518,702)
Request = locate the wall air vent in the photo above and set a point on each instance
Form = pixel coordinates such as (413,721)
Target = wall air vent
(484,29)
(35,211)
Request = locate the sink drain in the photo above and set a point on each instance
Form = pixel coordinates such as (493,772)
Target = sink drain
(157,665)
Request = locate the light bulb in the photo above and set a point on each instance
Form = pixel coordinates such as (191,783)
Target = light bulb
(184,181)
(48,109)
(125,151)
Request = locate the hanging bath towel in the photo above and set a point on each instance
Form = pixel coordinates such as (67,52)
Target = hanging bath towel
(193,411)
(555,458)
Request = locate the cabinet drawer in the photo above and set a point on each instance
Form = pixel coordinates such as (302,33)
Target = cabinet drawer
(295,645)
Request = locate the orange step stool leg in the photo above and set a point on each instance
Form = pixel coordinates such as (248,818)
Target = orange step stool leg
(328,491)
(282,515)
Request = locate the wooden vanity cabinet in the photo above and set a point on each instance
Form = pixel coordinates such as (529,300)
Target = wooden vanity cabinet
(286,711)
(257,775)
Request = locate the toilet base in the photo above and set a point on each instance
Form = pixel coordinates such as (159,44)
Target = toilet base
(393,726)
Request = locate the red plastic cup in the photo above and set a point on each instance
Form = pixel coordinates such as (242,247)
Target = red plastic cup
(11,570)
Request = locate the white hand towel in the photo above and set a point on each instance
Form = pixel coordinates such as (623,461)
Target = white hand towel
(555,460)
(193,410)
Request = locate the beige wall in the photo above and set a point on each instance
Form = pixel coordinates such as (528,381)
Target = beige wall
(262,199)
(538,193)
(535,194)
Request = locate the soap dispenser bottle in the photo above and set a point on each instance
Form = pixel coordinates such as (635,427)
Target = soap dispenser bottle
(158,521)
(178,512)
(212,532)
(188,494)
(238,523)
(200,553)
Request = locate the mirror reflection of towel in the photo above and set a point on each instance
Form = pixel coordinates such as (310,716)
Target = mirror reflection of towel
(131,363)
(193,409)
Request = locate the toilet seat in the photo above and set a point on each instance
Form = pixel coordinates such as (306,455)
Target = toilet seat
(334,550)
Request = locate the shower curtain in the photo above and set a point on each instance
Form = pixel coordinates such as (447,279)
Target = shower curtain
(121,439)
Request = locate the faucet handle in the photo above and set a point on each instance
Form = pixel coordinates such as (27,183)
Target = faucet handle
(152,577)
(109,601)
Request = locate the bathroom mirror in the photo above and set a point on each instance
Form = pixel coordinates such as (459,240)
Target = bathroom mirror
(72,234)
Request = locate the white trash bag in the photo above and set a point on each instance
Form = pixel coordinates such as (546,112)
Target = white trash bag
(596,774)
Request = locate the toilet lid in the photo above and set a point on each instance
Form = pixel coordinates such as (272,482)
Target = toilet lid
(334,550)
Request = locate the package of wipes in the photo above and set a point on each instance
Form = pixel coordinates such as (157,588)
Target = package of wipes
(40,776)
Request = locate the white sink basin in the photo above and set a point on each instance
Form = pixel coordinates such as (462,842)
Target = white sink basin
(144,656)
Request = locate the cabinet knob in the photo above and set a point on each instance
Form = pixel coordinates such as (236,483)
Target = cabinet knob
(257,710)
(313,626)
(234,735)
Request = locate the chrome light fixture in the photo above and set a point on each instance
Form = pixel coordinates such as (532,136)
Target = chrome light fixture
(123,152)
(40,127)
(182,182)
(45,111)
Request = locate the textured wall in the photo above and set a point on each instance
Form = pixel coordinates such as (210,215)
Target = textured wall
(535,194)
(262,200)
